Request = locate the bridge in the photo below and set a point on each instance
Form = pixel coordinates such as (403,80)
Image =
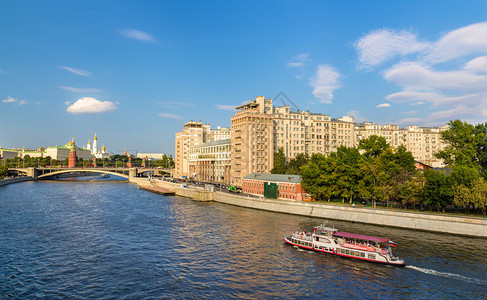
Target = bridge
(44,173)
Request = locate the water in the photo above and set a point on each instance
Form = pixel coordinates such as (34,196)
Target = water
(82,239)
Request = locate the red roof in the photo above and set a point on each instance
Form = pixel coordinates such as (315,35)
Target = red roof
(360,237)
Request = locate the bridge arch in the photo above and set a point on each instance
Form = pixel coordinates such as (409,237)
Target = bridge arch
(46,175)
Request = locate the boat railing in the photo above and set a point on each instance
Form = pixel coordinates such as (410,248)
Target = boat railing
(303,236)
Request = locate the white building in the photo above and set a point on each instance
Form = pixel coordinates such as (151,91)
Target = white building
(99,154)
(151,156)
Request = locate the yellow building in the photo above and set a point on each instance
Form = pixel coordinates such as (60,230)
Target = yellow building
(210,162)
(252,146)
(302,132)
(422,142)
(193,134)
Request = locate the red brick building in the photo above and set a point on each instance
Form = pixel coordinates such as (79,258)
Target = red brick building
(288,186)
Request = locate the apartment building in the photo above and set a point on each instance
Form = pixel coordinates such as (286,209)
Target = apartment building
(422,142)
(194,133)
(210,162)
(258,130)
(304,132)
(252,141)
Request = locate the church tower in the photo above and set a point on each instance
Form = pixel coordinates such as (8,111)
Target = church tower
(95,145)
(88,146)
(72,155)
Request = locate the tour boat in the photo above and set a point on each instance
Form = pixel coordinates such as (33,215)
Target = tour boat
(358,246)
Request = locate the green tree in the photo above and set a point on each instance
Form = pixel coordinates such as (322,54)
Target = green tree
(462,142)
(373,146)
(481,130)
(319,177)
(3,171)
(348,165)
(479,195)
(295,164)
(411,192)
(393,169)
(437,189)
(464,179)
(279,162)
(464,175)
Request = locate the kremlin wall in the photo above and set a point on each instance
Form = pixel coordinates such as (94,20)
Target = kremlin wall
(60,152)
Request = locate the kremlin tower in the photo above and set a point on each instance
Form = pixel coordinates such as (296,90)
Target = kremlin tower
(95,151)
(72,154)
(95,145)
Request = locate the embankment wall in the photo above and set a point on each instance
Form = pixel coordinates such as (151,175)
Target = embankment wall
(15,180)
(411,220)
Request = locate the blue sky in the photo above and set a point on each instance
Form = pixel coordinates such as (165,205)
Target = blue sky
(135,71)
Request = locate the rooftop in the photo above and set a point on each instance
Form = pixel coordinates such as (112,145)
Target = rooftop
(215,143)
(274,177)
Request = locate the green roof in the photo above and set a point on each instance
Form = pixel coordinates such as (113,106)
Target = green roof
(274,177)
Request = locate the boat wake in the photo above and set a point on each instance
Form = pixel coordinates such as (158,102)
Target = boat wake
(448,275)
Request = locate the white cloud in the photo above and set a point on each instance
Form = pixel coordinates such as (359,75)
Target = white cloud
(383,105)
(76,71)
(170,116)
(137,35)
(435,98)
(81,90)
(358,118)
(417,76)
(478,65)
(381,45)
(9,100)
(460,42)
(225,107)
(89,105)
(15,101)
(430,72)
(298,60)
(325,82)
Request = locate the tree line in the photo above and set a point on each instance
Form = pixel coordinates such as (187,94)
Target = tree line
(376,173)
(114,161)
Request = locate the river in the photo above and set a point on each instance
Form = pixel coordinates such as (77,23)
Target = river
(108,239)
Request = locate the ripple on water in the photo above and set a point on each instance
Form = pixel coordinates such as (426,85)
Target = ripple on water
(102,240)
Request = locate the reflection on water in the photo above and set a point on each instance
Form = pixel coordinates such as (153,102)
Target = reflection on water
(102,239)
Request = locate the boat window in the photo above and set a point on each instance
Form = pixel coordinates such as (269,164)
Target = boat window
(362,254)
(347,251)
(371,256)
